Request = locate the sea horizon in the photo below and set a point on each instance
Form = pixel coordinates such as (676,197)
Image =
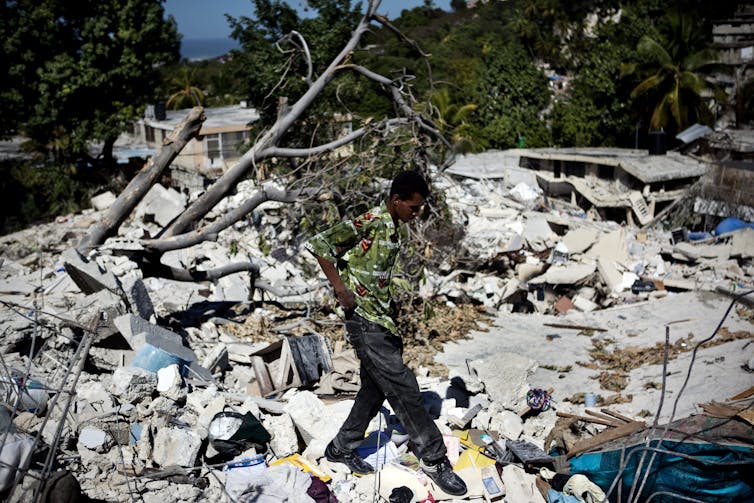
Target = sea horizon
(198,49)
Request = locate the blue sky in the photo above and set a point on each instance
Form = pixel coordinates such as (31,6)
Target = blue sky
(206,19)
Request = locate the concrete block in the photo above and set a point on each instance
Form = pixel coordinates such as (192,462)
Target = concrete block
(87,275)
(508,424)
(314,419)
(505,376)
(103,201)
(176,447)
(138,297)
(93,439)
(160,205)
(132,384)
(170,382)
(284,438)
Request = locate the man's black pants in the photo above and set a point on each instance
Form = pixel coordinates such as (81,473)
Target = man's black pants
(384,375)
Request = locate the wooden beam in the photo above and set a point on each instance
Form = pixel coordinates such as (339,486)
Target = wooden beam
(605,436)
(616,415)
(574,327)
(616,422)
(586,419)
(744,394)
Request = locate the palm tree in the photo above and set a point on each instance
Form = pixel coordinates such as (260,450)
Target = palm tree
(673,89)
(451,120)
(188,95)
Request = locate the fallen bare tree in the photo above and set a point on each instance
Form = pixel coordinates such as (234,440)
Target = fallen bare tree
(191,228)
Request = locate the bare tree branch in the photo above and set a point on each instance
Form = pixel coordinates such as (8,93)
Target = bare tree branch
(225,183)
(266,193)
(143,181)
(326,147)
(302,47)
(164,271)
(385,22)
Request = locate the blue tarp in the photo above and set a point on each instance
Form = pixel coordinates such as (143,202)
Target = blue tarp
(703,478)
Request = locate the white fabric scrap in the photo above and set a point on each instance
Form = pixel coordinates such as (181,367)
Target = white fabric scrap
(281,483)
(584,489)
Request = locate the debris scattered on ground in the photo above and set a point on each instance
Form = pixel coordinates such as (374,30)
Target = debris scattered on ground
(120,386)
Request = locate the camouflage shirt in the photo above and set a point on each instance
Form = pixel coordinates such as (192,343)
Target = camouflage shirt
(365,250)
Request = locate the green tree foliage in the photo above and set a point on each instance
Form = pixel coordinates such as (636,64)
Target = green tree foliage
(187,93)
(670,95)
(510,93)
(79,71)
(594,110)
(452,119)
(270,67)
(30,193)
(745,103)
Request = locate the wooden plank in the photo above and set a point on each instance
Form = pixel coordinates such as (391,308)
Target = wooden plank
(744,394)
(284,366)
(586,419)
(606,436)
(610,419)
(616,415)
(574,327)
(262,375)
(720,410)
(747,415)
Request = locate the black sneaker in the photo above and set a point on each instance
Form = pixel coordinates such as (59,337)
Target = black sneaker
(349,458)
(443,475)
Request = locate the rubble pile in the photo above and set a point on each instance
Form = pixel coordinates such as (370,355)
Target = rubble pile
(118,386)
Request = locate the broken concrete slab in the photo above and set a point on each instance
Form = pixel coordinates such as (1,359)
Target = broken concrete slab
(132,384)
(505,377)
(537,233)
(581,239)
(567,274)
(135,330)
(138,297)
(176,447)
(160,205)
(314,419)
(102,201)
(284,438)
(20,285)
(610,274)
(87,275)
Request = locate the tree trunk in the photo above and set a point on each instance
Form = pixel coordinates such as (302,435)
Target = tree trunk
(143,181)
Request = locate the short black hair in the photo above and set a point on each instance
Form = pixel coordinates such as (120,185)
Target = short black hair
(407,183)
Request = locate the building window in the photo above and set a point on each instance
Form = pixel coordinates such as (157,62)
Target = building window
(231,143)
(212,147)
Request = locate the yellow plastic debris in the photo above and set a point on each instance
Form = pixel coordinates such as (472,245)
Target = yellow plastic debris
(301,462)
(471,458)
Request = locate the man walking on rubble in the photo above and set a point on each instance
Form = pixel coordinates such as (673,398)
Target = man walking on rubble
(357,257)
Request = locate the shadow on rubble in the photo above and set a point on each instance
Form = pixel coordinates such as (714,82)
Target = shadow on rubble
(200,312)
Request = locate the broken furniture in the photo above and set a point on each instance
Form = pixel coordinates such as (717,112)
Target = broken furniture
(291,362)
